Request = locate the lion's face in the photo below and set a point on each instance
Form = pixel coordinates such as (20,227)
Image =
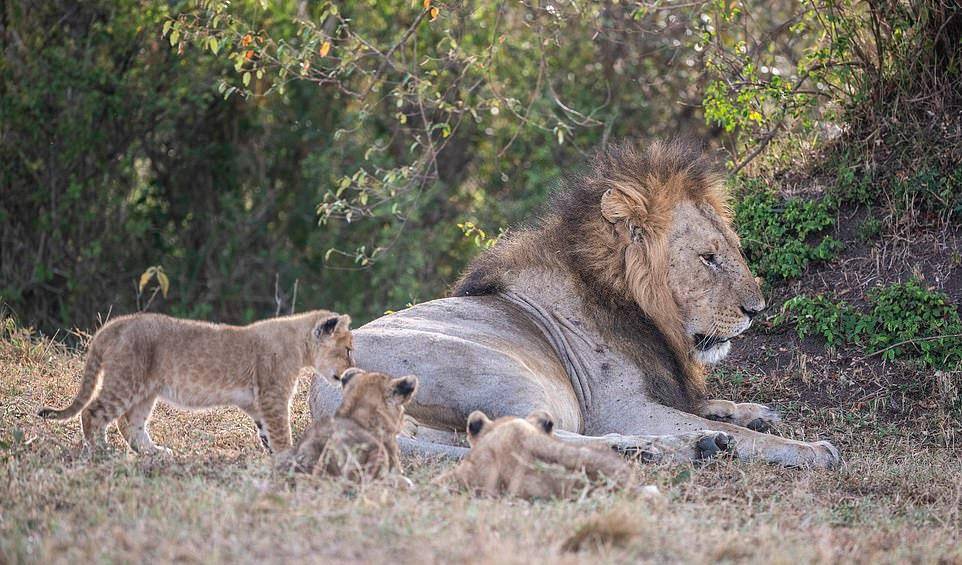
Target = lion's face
(716,294)
(683,265)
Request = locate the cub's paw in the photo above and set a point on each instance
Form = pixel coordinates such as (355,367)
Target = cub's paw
(160,451)
(710,444)
(151,451)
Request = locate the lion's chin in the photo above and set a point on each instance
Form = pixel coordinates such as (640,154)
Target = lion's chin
(713,354)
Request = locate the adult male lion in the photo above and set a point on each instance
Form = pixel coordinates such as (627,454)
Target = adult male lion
(604,315)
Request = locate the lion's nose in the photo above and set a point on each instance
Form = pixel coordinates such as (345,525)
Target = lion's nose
(752,310)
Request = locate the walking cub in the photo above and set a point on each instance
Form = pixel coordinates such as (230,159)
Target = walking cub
(520,457)
(192,364)
(360,440)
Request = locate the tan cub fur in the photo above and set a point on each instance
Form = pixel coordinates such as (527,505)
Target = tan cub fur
(360,440)
(520,457)
(143,357)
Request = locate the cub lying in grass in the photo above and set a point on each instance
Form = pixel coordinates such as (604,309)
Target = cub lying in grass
(520,457)
(143,357)
(360,440)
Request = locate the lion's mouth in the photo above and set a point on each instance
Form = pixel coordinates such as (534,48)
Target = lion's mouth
(705,342)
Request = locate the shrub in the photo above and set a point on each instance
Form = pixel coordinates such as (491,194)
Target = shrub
(902,321)
(833,321)
(780,237)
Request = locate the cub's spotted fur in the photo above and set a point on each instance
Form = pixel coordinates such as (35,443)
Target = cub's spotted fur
(520,457)
(360,440)
(143,357)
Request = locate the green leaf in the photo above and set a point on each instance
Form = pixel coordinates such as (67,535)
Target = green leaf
(246,78)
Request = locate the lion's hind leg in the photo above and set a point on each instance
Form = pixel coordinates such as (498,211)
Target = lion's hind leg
(121,388)
(749,415)
(133,426)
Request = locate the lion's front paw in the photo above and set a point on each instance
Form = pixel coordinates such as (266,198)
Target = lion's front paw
(826,455)
(711,444)
(762,418)
(633,447)
(749,415)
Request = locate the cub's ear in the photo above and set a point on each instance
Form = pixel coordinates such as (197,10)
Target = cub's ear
(541,420)
(347,375)
(477,421)
(329,325)
(404,388)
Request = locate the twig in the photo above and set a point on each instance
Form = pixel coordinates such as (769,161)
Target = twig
(758,148)
(908,341)
(277,294)
(294,297)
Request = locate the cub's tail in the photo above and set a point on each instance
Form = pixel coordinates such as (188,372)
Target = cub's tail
(87,387)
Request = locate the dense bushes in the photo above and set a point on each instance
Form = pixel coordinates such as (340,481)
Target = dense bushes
(780,237)
(124,147)
(244,146)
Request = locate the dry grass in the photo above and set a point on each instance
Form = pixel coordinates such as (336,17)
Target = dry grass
(215,501)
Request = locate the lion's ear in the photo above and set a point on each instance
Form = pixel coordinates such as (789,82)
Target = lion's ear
(614,206)
(403,389)
(347,375)
(618,210)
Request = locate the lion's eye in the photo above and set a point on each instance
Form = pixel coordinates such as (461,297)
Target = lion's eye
(709,259)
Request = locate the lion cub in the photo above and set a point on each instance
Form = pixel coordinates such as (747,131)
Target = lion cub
(143,357)
(520,457)
(360,440)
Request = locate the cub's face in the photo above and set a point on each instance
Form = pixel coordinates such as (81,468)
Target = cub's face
(332,346)
(373,396)
(537,422)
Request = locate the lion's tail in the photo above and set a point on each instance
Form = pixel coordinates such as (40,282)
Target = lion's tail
(87,387)
(91,376)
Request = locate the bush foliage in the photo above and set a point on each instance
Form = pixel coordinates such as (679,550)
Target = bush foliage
(780,236)
(900,321)
(354,155)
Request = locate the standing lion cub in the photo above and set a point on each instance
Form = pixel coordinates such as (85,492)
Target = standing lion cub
(360,440)
(143,357)
(520,457)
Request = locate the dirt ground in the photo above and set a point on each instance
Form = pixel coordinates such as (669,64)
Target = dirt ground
(897,498)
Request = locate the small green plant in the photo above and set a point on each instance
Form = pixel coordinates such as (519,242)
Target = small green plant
(869,229)
(903,321)
(853,183)
(910,320)
(930,190)
(780,236)
(835,322)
